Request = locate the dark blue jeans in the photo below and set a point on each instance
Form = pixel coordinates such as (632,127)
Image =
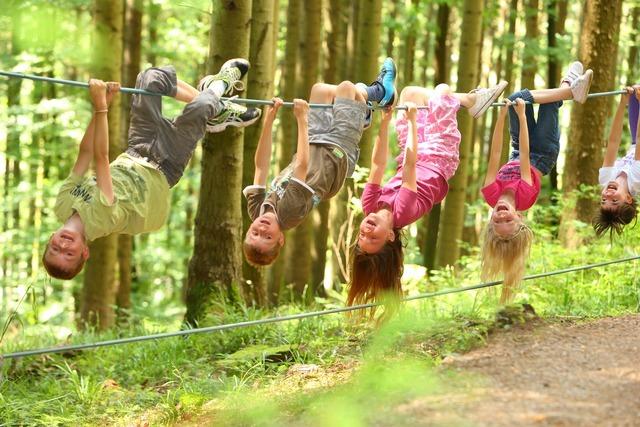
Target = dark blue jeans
(544,134)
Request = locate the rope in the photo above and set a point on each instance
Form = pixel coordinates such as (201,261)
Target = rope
(241,100)
(293,316)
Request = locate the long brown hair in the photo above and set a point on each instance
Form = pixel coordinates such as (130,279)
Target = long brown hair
(375,274)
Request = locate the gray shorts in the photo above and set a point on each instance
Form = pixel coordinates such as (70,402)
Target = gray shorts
(169,144)
(341,126)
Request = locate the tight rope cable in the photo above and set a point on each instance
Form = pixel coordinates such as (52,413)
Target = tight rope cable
(241,100)
(293,316)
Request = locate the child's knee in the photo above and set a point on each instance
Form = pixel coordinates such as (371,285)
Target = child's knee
(346,85)
(414,94)
(443,89)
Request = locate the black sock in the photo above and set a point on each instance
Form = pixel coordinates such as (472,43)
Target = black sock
(375,92)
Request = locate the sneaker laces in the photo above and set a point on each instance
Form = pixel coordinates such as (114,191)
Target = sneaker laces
(237,85)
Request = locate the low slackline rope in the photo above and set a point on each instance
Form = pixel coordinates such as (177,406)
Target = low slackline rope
(293,316)
(240,100)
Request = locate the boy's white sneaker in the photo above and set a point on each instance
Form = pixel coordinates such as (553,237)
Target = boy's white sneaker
(580,87)
(575,70)
(485,97)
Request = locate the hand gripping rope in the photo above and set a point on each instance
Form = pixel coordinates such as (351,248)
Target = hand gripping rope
(240,100)
(217,328)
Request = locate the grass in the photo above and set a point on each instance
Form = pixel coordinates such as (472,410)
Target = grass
(290,373)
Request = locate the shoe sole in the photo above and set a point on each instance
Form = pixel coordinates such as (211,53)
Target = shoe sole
(588,73)
(501,86)
(223,126)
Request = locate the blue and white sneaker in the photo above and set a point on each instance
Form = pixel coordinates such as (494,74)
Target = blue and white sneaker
(387,78)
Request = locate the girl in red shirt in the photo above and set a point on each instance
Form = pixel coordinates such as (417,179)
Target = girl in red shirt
(514,187)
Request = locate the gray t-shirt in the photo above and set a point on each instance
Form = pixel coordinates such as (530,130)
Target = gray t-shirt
(292,199)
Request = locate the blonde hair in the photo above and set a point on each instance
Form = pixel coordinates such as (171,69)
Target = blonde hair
(506,255)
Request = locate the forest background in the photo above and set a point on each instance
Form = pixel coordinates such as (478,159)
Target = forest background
(192,270)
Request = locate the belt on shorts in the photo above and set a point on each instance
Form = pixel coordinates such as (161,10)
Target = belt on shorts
(134,153)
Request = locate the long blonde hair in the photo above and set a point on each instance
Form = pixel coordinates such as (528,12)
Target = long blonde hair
(507,256)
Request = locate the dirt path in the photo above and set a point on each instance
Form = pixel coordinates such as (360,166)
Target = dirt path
(584,374)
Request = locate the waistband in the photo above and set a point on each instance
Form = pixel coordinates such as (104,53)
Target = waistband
(133,153)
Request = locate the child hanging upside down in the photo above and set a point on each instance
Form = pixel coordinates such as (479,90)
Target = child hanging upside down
(620,179)
(514,187)
(131,195)
(429,142)
(327,152)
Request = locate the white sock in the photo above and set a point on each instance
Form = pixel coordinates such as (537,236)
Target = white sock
(218,87)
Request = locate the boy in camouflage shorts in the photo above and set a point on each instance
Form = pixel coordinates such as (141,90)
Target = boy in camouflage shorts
(327,152)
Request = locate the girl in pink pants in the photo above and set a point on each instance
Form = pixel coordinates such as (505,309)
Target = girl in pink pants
(429,141)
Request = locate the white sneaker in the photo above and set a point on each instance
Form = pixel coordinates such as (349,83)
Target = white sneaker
(580,87)
(485,97)
(575,70)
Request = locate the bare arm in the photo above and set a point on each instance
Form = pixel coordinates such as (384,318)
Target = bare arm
(496,146)
(85,151)
(409,179)
(262,157)
(525,161)
(615,134)
(98,91)
(301,167)
(380,150)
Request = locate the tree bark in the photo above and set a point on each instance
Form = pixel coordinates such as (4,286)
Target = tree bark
(260,86)
(98,295)
(299,267)
(215,268)
(366,61)
(131,68)
(529,53)
(454,210)
(289,90)
(598,51)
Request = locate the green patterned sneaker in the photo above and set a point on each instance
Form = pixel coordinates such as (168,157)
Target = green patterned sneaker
(230,74)
(235,115)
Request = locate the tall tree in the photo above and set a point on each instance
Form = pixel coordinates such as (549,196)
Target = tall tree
(289,90)
(98,295)
(632,59)
(299,267)
(337,71)
(530,51)
(454,209)
(598,51)
(215,268)
(442,54)
(131,68)
(555,26)
(260,86)
(366,60)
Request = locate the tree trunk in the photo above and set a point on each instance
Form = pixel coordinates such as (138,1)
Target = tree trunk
(337,47)
(598,51)
(632,60)
(299,267)
(411,14)
(431,224)
(154,18)
(260,86)
(454,210)
(529,53)
(391,30)
(131,68)
(366,61)
(289,90)
(98,296)
(215,268)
